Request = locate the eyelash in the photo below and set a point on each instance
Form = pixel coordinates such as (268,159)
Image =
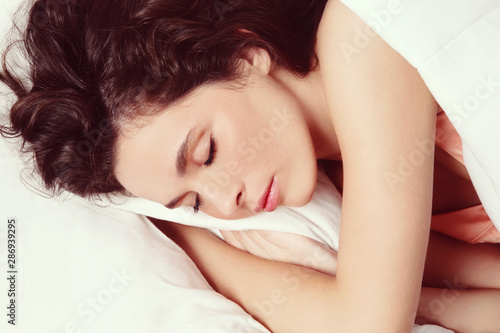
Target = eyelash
(197,204)
(213,152)
(210,160)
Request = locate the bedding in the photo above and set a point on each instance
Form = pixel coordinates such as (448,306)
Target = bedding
(85,268)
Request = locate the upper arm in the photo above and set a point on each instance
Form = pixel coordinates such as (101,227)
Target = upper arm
(384,117)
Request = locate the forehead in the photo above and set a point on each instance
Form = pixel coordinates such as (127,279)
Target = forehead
(147,151)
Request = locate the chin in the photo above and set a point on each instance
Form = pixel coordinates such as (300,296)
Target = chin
(301,200)
(304,190)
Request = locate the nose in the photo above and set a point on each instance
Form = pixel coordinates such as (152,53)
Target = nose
(225,194)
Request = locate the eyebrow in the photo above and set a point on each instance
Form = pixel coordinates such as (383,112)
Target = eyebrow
(181,156)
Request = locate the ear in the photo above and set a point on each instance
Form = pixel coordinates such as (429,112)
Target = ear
(259,59)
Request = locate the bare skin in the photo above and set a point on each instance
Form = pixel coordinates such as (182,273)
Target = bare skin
(452,187)
(461,283)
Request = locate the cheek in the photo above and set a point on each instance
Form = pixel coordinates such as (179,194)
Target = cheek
(250,135)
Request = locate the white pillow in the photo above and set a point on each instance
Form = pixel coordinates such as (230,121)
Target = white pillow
(319,219)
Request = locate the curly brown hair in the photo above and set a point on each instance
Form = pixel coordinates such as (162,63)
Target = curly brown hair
(95,63)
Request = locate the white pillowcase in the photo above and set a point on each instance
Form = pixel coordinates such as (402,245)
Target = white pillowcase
(319,219)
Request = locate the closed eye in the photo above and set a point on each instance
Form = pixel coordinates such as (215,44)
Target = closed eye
(197,204)
(212,153)
(208,162)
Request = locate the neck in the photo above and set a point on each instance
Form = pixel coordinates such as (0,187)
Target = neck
(310,94)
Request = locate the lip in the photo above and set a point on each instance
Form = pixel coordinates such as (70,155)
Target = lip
(270,198)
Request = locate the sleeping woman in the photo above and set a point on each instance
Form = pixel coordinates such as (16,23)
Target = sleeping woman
(160,98)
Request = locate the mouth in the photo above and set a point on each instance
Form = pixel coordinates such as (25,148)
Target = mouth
(270,199)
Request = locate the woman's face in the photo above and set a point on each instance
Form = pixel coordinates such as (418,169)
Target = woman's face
(230,153)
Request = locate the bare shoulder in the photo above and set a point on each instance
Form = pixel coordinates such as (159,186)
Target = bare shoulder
(356,62)
(345,38)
